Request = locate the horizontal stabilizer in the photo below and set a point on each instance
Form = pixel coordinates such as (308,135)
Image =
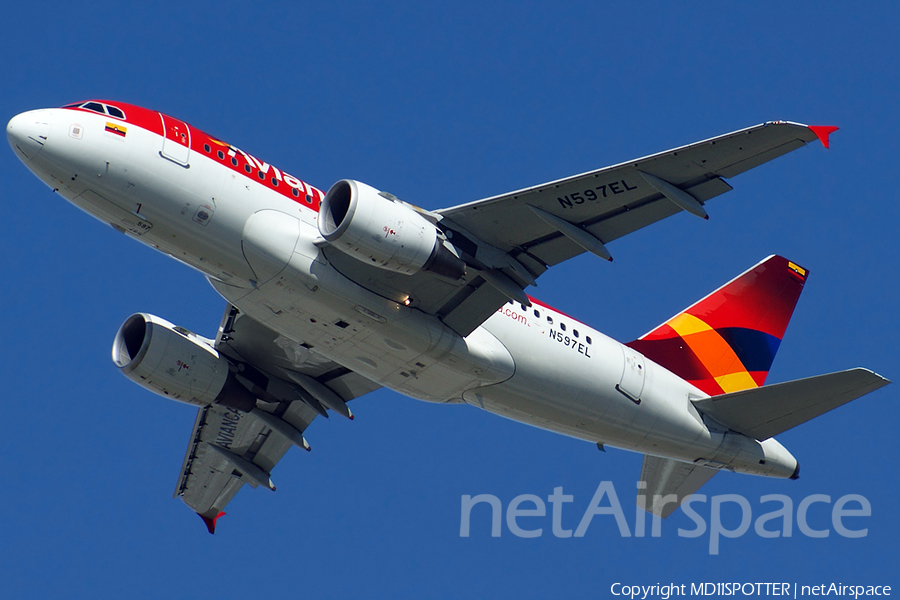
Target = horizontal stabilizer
(769,410)
(665,476)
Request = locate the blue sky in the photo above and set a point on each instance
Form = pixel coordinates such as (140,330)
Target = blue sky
(441,105)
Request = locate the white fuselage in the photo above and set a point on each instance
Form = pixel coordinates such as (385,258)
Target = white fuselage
(256,246)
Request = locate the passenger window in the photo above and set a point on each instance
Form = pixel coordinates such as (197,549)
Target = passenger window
(220,154)
(308,199)
(206,148)
(115,112)
(550,319)
(562,326)
(537,314)
(233,161)
(295,192)
(262,175)
(575,332)
(274,182)
(247,168)
(94,106)
(587,338)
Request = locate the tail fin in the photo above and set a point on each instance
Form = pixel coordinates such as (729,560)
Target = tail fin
(727,341)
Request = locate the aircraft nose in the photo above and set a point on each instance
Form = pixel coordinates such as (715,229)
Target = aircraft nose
(27,132)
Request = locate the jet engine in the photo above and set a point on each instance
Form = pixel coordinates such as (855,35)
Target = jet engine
(377,229)
(175,363)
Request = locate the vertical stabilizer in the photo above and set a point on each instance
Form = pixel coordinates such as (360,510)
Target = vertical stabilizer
(727,341)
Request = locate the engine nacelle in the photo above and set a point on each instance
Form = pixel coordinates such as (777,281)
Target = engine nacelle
(170,361)
(372,227)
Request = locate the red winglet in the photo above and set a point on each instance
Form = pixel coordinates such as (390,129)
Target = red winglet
(211,523)
(822,132)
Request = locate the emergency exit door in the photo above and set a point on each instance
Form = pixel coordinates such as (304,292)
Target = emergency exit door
(632,382)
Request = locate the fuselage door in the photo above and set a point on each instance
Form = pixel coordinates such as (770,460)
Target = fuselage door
(632,383)
(177,141)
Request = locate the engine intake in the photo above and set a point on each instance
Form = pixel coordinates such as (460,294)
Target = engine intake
(174,363)
(372,227)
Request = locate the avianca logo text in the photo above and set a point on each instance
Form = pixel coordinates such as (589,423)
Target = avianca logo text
(268,174)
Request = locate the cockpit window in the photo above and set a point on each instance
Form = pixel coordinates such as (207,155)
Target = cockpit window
(94,106)
(103,109)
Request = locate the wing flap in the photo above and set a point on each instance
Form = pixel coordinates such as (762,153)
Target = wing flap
(474,310)
(769,410)
(207,481)
(554,248)
(224,438)
(667,477)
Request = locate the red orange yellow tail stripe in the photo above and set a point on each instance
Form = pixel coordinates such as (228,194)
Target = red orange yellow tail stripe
(727,341)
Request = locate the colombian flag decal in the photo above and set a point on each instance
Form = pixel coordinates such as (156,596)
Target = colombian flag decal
(797,269)
(116,128)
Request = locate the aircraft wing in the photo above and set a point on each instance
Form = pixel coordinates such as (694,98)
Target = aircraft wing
(230,447)
(508,241)
(665,476)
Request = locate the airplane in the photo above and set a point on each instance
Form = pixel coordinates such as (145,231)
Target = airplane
(333,295)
